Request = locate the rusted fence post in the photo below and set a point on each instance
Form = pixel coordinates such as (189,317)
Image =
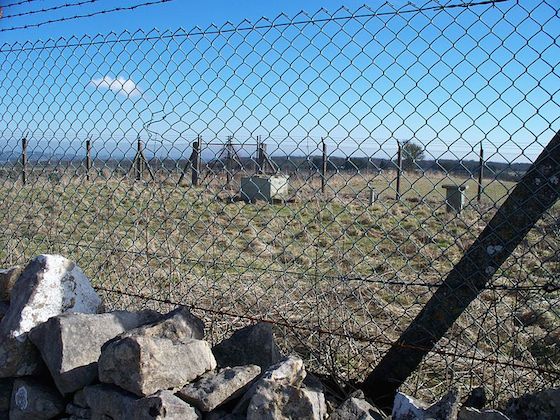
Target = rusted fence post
(480,173)
(399,171)
(535,193)
(324,167)
(24,160)
(196,161)
(88,158)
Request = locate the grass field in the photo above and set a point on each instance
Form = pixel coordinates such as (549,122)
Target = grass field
(340,278)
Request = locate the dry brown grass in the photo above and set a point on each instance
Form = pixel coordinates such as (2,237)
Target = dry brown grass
(341,279)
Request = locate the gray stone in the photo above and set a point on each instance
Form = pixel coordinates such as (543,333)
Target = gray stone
(313,388)
(288,371)
(6,386)
(357,409)
(4,306)
(49,285)
(252,345)
(163,405)
(476,398)
(408,408)
(32,399)
(8,278)
(19,357)
(279,394)
(274,401)
(214,389)
(77,411)
(70,344)
(161,355)
(471,413)
(540,405)
(79,399)
(109,401)
(447,407)
(223,415)
(178,325)
(144,365)
(317,399)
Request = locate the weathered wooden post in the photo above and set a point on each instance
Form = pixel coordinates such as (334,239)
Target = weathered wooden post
(88,158)
(399,170)
(139,160)
(263,157)
(480,173)
(258,159)
(229,147)
(196,160)
(24,160)
(324,167)
(372,196)
(534,194)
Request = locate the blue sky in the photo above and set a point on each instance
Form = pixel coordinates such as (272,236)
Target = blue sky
(448,79)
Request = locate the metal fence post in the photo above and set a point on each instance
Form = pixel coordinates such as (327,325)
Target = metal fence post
(480,173)
(88,158)
(263,157)
(324,167)
(227,165)
(196,161)
(139,161)
(24,160)
(258,159)
(399,170)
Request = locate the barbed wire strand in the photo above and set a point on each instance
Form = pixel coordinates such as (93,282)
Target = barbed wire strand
(396,12)
(50,9)
(17,3)
(352,336)
(88,15)
(547,288)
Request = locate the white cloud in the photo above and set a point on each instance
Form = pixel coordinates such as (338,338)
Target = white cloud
(120,85)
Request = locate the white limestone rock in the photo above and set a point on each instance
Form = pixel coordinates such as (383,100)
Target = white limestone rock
(216,388)
(408,408)
(50,285)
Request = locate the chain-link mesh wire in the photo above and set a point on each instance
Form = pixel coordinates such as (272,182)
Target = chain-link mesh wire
(129,152)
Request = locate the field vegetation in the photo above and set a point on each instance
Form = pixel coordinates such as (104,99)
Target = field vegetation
(338,277)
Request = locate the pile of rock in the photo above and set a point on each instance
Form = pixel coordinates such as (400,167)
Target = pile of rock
(61,357)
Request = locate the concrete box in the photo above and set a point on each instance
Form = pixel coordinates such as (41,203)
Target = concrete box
(455,197)
(261,187)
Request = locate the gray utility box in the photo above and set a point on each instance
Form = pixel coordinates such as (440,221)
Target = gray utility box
(455,197)
(264,187)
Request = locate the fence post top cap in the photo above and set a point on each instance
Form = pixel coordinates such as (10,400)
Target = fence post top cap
(455,187)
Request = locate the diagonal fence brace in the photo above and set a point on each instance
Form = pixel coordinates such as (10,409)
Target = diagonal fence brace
(535,193)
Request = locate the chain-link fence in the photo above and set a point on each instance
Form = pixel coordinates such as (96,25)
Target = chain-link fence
(321,172)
